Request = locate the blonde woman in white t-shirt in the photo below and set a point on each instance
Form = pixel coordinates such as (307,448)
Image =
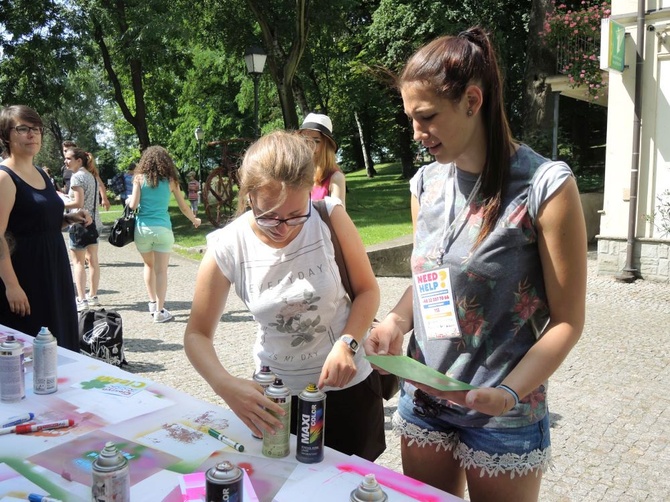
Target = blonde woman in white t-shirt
(278,256)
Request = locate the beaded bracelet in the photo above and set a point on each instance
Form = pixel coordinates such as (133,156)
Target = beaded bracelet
(511,391)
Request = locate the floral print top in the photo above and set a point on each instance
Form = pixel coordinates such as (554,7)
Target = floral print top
(294,293)
(498,288)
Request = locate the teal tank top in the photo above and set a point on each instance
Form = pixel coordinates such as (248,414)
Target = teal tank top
(153,208)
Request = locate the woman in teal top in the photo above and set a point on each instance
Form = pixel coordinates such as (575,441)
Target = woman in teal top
(155,178)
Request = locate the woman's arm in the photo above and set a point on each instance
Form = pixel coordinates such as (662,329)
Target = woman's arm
(102,190)
(77,201)
(134,200)
(184,207)
(245,397)
(339,368)
(387,337)
(338,186)
(16,297)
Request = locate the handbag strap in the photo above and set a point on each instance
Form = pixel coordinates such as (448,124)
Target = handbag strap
(320,206)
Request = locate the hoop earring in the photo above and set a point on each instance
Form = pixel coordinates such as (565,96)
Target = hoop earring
(469,112)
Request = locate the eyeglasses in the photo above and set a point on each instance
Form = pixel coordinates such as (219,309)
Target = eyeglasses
(294,221)
(424,406)
(23,130)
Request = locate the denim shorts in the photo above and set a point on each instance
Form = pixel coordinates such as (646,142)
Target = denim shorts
(514,450)
(149,239)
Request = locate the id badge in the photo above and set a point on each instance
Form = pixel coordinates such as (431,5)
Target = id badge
(436,304)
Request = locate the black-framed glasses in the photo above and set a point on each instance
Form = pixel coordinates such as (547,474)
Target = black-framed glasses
(424,405)
(23,130)
(293,221)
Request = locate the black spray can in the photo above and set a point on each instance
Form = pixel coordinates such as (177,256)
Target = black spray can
(369,491)
(224,483)
(111,476)
(45,363)
(12,374)
(264,378)
(277,445)
(311,425)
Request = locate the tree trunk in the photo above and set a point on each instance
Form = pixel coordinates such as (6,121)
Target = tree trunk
(283,66)
(369,168)
(541,63)
(404,142)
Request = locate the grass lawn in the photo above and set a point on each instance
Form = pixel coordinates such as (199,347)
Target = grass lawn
(379,206)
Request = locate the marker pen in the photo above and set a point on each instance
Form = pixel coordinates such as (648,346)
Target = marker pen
(18,419)
(226,440)
(27,428)
(36,497)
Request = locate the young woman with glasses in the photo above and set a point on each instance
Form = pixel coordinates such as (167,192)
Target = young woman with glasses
(278,256)
(35,280)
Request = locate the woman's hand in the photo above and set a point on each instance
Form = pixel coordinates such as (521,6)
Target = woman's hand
(17,300)
(488,400)
(386,338)
(339,368)
(246,399)
(196,222)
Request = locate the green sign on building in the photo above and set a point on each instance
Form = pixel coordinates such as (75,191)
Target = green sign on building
(612,45)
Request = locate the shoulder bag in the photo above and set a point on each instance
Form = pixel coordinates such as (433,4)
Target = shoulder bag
(389,383)
(82,235)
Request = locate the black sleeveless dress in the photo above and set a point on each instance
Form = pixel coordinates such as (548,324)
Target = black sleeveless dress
(41,264)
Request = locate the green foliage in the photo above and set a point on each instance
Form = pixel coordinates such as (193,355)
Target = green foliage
(575,33)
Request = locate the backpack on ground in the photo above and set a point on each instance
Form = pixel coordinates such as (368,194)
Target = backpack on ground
(101,336)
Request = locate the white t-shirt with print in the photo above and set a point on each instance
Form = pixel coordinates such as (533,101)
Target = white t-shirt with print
(294,293)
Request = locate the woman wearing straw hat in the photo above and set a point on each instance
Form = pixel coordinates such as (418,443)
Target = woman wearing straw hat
(328,178)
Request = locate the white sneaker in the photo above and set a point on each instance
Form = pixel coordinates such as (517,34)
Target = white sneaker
(93,301)
(82,305)
(162,316)
(152,307)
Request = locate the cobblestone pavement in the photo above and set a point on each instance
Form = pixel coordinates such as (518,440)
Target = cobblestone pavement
(610,404)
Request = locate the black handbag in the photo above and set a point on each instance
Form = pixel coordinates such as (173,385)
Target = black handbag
(390,385)
(83,235)
(123,229)
(101,336)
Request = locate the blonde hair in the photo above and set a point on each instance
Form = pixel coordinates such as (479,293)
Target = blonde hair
(326,165)
(282,158)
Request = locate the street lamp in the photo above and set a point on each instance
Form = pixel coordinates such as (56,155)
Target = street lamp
(255,58)
(199,135)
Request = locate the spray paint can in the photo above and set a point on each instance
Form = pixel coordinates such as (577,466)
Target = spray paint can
(264,378)
(111,476)
(277,445)
(12,375)
(369,491)
(311,425)
(45,363)
(223,483)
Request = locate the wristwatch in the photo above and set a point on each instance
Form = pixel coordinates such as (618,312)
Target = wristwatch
(351,342)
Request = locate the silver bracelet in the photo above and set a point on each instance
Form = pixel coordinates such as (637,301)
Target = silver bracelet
(511,391)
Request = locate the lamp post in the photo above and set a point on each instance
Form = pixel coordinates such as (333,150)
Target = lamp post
(255,58)
(199,135)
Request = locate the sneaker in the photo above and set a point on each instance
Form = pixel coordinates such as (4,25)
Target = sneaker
(93,301)
(82,305)
(152,307)
(162,316)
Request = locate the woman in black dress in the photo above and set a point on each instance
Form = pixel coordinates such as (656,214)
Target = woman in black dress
(35,279)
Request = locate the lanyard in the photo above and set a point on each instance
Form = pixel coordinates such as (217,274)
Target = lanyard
(450,229)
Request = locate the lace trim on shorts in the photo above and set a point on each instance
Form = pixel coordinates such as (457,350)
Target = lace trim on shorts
(491,465)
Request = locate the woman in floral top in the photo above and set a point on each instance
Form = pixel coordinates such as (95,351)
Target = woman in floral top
(279,258)
(499,281)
